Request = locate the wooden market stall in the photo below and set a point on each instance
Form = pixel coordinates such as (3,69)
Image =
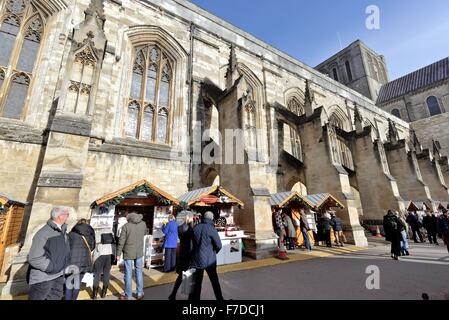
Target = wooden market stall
(222,204)
(322,203)
(419,206)
(155,205)
(291,203)
(11,217)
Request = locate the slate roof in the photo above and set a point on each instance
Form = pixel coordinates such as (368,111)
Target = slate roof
(421,78)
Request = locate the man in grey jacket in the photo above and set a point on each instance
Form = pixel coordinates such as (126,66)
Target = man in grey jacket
(48,257)
(131,244)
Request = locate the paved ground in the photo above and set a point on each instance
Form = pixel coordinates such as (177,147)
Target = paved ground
(337,273)
(336,277)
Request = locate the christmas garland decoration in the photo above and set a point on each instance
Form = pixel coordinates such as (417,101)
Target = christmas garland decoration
(296,198)
(144,188)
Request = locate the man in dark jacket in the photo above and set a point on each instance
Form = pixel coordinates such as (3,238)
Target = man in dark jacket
(430,223)
(206,245)
(413,221)
(82,243)
(48,257)
(337,225)
(131,244)
(327,227)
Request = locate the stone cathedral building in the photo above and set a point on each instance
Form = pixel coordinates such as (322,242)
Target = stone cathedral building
(98,94)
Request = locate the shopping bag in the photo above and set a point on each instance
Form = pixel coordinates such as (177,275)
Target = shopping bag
(187,281)
(88,279)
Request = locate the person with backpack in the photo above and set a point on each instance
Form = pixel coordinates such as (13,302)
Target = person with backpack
(104,254)
(391,226)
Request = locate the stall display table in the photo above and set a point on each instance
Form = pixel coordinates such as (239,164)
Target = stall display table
(231,251)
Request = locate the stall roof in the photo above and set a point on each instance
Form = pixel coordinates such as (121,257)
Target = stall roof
(195,195)
(280,199)
(319,199)
(4,198)
(418,205)
(441,204)
(133,187)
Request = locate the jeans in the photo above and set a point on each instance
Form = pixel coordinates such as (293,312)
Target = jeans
(213,277)
(48,290)
(138,265)
(72,286)
(102,266)
(404,241)
(305,234)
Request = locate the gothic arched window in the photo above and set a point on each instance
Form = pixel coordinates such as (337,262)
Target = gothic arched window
(336,121)
(292,141)
(396,113)
(151,87)
(433,105)
(335,74)
(348,71)
(294,106)
(21,29)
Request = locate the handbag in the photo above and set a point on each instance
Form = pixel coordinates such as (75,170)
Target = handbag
(107,238)
(88,277)
(188,281)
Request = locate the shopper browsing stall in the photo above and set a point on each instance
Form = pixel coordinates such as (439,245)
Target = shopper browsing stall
(170,231)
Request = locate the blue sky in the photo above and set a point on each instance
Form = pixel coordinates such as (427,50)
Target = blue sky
(413,33)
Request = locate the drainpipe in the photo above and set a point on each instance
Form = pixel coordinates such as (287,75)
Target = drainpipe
(190,104)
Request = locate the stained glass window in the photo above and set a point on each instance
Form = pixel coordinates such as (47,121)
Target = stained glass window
(136,83)
(2,78)
(396,113)
(8,33)
(147,123)
(30,46)
(16,96)
(133,118)
(433,105)
(165,87)
(162,126)
(151,82)
(295,107)
(24,39)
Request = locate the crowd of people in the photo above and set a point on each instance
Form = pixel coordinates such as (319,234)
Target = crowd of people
(322,224)
(59,261)
(400,227)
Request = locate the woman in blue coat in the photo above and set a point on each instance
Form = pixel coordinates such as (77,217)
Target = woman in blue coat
(170,244)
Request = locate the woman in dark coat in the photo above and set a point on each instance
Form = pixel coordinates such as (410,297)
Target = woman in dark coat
(393,227)
(82,243)
(185,233)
